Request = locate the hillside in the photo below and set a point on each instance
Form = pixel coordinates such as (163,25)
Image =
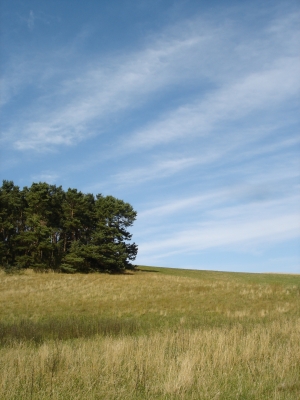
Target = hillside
(153,333)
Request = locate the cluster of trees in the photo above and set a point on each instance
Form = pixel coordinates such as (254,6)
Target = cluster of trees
(44,227)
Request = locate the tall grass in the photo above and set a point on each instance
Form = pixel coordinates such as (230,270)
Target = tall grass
(160,335)
(217,363)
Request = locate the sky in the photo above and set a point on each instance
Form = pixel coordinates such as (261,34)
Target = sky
(186,109)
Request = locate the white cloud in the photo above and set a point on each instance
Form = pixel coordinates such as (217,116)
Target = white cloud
(102,91)
(234,233)
(259,196)
(158,170)
(198,52)
(30,20)
(48,177)
(257,91)
(244,217)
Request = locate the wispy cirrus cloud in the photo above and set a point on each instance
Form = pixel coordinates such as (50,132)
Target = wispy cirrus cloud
(258,212)
(258,91)
(30,20)
(237,236)
(158,170)
(45,177)
(197,52)
(247,226)
(101,91)
(271,189)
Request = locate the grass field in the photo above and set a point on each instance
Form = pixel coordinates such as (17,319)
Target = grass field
(151,334)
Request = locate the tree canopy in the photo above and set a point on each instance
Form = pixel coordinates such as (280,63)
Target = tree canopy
(44,227)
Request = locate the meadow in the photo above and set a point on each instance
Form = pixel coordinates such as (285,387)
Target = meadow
(154,333)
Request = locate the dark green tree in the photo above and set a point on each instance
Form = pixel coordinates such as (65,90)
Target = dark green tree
(35,241)
(12,221)
(107,247)
(44,227)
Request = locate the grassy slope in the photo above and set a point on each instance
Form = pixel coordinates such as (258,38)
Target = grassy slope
(157,333)
(258,278)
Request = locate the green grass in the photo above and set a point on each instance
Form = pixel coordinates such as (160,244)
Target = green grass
(241,277)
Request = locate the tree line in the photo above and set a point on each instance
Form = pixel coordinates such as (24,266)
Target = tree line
(44,227)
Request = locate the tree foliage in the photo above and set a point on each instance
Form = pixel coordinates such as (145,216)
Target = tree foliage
(44,227)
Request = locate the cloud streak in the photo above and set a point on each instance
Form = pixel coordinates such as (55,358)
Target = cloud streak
(257,91)
(30,21)
(244,227)
(84,105)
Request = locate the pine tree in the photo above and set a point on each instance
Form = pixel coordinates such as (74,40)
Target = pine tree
(44,227)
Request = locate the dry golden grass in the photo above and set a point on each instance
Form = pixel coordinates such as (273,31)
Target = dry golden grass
(38,296)
(201,364)
(150,335)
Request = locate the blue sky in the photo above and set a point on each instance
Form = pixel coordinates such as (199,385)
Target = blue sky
(188,110)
